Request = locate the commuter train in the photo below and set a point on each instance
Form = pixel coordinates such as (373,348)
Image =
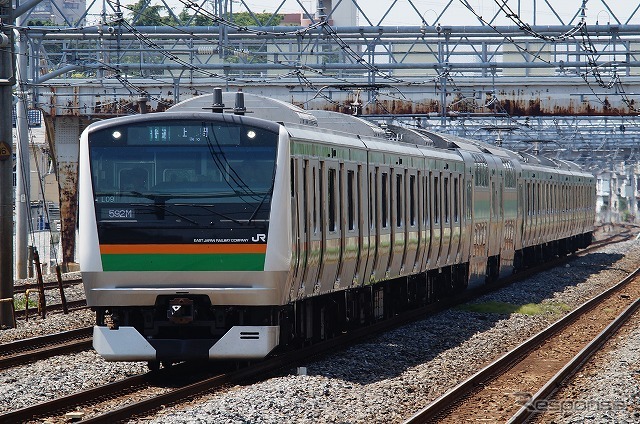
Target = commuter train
(211,233)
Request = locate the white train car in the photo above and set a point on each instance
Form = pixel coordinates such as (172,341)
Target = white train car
(208,234)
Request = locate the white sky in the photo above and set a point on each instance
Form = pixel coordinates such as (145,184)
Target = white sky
(456,14)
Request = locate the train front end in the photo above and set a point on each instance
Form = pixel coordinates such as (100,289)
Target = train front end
(184,235)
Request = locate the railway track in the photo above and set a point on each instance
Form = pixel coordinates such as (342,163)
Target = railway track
(33,349)
(140,395)
(49,285)
(510,388)
(73,305)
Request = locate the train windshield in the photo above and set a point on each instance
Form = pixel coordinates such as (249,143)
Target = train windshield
(182,173)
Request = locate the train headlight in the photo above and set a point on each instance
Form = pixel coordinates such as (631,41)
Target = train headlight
(116,135)
(251,134)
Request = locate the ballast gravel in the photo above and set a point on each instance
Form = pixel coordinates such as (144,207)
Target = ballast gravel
(384,380)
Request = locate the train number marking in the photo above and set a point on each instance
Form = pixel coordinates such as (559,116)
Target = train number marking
(121,213)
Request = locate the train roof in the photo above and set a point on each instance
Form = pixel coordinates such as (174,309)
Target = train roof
(256,107)
(262,107)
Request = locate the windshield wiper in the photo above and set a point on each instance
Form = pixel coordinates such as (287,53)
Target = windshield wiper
(159,202)
(235,221)
(255,212)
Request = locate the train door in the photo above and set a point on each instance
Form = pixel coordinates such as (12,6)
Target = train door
(313,239)
(494,211)
(466,208)
(521,220)
(436,218)
(331,232)
(456,225)
(351,239)
(413,234)
(364,187)
(424,210)
(370,236)
(528,215)
(299,230)
(382,223)
(466,214)
(446,221)
(537,217)
(397,221)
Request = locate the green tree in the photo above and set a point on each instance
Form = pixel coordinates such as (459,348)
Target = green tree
(144,14)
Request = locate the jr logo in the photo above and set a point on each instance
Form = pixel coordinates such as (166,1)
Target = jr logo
(259,237)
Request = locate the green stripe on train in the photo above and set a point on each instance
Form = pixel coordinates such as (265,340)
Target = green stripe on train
(177,262)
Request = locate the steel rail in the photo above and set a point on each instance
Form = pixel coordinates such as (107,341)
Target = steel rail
(35,348)
(253,372)
(528,410)
(49,285)
(72,305)
(438,407)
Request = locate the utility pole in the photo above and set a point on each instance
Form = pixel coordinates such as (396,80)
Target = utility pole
(7,80)
(23,168)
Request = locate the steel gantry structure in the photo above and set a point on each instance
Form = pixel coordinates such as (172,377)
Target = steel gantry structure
(513,71)
(559,80)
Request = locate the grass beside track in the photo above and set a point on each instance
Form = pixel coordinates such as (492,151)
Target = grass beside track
(554,308)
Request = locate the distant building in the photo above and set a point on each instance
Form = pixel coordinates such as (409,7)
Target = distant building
(57,12)
(43,184)
(618,194)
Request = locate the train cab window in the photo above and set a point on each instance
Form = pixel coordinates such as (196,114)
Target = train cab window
(385,200)
(331,198)
(445,200)
(412,200)
(350,201)
(399,200)
(436,201)
(134,179)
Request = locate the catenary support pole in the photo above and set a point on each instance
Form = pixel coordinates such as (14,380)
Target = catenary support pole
(7,79)
(23,168)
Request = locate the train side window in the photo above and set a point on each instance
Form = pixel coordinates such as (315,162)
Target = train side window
(315,201)
(385,200)
(436,201)
(350,203)
(426,183)
(331,192)
(358,193)
(456,217)
(412,200)
(469,200)
(320,198)
(520,200)
(305,199)
(292,167)
(529,208)
(373,198)
(399,200)
(340,211)
(445,199)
